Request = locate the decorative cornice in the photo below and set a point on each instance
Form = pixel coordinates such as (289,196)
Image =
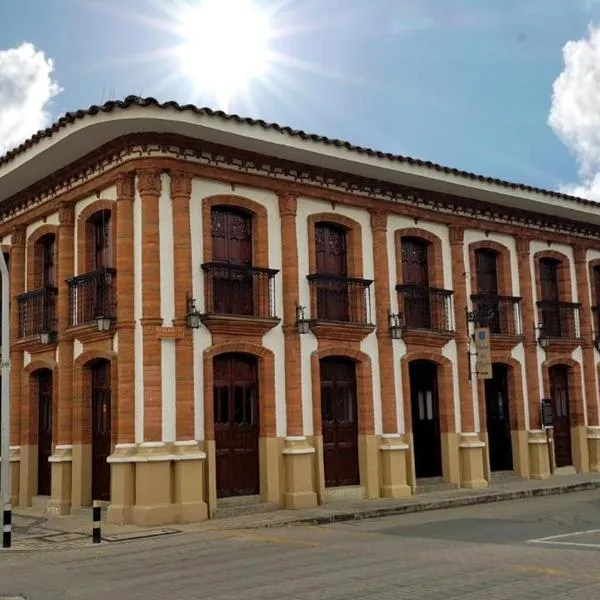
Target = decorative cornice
(152,145)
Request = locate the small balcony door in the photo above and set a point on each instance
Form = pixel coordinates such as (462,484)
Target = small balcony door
(415,273)
(332,264)
(550,312)
(232,285)
(486,267)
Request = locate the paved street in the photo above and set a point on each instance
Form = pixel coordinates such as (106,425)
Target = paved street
(498,551)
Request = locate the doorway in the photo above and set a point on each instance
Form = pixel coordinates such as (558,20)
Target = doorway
(44,381)
(498,419)
(340,422)
(424,397)
(101,429)
(236,408)
(559,394)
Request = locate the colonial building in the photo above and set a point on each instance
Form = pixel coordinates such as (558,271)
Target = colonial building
(206,307)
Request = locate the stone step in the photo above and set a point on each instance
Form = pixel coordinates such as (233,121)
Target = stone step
(500,477)
(433,484)
(228,510)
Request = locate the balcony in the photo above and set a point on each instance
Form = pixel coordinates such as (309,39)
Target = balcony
(37,312)
(91,296)
(560,320)
(341,306)
(502,314)
(239,299)
(426,308)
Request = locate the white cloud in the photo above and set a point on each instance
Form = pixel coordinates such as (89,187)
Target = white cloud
(575,112)
(26,88)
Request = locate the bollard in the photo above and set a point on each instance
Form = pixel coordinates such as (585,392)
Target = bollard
(6,526)
(97,516)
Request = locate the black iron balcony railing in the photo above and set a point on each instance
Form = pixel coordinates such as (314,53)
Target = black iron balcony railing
(37,312)
(341,299)
(239,290)
(559,319)
(91,295)
(424,307)
(502,314)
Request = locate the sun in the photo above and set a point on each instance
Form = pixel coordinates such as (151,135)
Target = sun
(225,46)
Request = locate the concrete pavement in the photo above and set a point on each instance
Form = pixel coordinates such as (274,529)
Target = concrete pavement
(34,531)
(487,551)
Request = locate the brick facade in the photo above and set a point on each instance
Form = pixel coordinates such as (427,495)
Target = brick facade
(284,215)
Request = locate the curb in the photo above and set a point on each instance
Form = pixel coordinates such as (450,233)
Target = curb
(438,504)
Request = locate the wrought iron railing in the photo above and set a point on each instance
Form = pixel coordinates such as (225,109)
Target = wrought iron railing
(92,295)
(341,299)
(502,314)
(37,312)
(559,319)
(424,307)
(239,290)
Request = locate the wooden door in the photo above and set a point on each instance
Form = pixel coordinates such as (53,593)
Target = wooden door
(486,265)
(415,275)
(236,407)
(498,419)
(331,262)
(340,422)
(550,312)
(559,393)
(44,379)
(101,430)
(425,419)
(231,281)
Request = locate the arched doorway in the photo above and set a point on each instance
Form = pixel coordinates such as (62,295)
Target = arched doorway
(100,386)
(340,421)
(236,416)
(559,394)
(424,397)
(44,431)
(498,419)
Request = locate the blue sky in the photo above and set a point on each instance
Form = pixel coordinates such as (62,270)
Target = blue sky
(467,83)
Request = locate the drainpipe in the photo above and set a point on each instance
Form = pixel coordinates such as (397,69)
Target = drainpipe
(4,392)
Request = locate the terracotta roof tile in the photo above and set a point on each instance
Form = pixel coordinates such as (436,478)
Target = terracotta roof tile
(130,101)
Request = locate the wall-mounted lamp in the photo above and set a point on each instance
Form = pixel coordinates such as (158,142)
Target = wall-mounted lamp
(103,323)
(543,339)
(395,325)
(45,337)
(302,323)
(193,316)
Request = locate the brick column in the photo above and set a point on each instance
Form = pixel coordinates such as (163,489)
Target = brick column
(153,482)
(17,410)
(393,449)
(539,467)
(470,445)
(299,455)
(63,454)
(529,331)
(122,480)
(591,437)
(149,188)
(181,190)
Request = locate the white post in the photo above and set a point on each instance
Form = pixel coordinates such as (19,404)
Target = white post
(5,391)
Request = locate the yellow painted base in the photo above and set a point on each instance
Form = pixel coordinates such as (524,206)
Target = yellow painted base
(298,467)
(15,470)
(471,461)
(122,485)
(60,500)
(394,457)
(579,446)
(593,444)
(188,483)
(539,456)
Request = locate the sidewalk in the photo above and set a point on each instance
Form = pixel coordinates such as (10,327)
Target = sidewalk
(35,531)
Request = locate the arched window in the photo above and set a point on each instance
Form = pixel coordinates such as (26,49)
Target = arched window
(98,251)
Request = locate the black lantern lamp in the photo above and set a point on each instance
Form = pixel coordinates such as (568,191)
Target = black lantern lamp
(302,323)
(193,316)
(395,325)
